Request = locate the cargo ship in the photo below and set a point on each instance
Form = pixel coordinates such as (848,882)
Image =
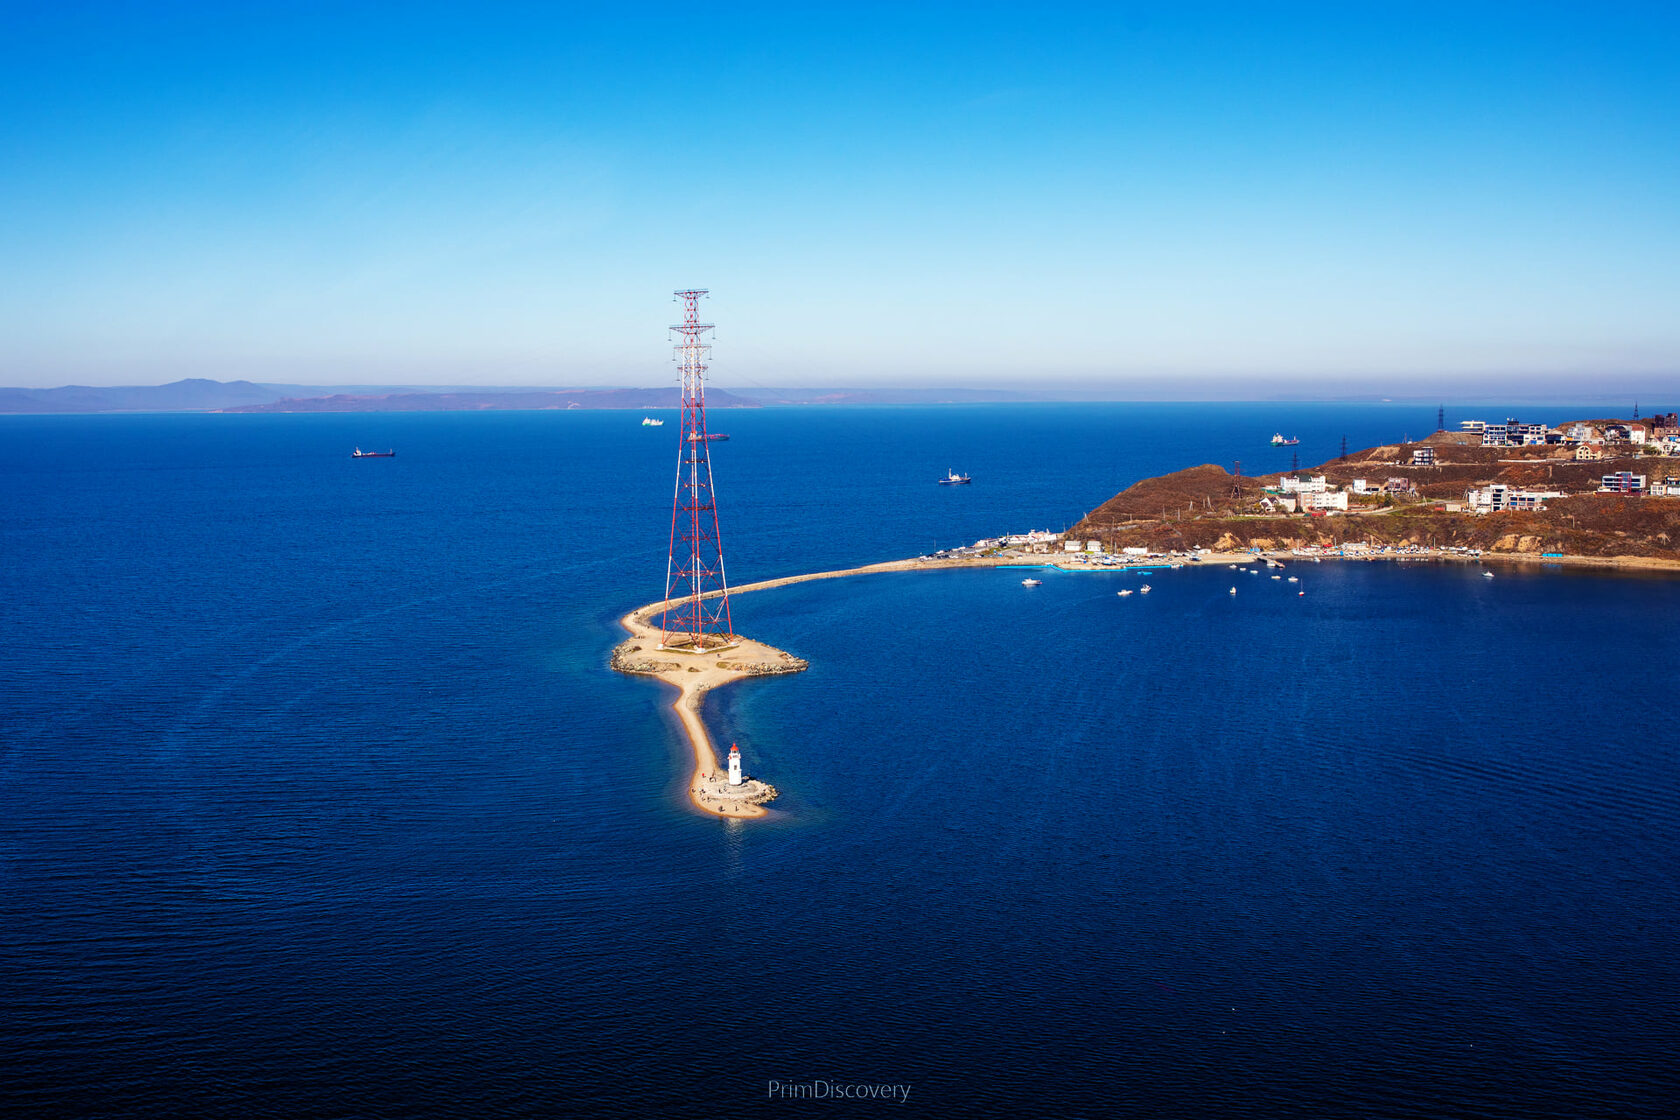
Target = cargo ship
(1279,441)
(360,454)
(952,478)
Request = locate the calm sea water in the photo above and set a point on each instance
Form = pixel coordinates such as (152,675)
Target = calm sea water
(317,799)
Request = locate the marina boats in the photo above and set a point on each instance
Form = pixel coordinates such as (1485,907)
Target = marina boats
(1031,582)
(1278,440)
(952,478)
(360,454)
(650,422)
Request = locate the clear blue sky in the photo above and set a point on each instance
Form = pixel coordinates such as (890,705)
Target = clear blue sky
(977,193)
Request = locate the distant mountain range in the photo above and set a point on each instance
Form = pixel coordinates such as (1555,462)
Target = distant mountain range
(194,395)
(201,395)
(528,400)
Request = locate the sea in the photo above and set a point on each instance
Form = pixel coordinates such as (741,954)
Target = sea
(318,798)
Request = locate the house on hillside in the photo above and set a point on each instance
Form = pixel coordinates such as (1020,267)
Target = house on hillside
(1588,452)
(1622,482)
(1423,456)
(1499,496)
(1323,500)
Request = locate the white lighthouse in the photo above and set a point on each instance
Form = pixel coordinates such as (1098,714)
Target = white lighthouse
(734,764)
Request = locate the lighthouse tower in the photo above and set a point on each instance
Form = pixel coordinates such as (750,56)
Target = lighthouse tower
(734,765)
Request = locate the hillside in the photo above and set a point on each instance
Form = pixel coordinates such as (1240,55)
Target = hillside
(1208,507)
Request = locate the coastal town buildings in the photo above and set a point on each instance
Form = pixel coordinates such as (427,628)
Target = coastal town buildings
(1513,433)
(1325,500)
(1423,457)
(1622,482)
(1498,496)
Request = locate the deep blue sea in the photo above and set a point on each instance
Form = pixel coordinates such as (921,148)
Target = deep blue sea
(317,797)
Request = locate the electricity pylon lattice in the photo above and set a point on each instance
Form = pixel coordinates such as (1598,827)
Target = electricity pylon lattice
(696,614)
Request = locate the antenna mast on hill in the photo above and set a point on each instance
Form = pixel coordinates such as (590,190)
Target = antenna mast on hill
(1441,418)
(694,568)
(1344,447)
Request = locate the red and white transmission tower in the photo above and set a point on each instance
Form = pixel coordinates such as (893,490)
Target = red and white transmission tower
(694,572)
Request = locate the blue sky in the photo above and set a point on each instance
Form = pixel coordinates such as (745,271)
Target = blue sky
(929,194)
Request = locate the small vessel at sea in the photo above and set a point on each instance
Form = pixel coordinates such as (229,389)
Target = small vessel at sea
(1487,575)
(1031,582)
(1233,591)
(710,437)
(1277,577)
(1144,590)
(360,454)
(1278,440)
(1293,579)
(650,422)
(952,478)
(1124,593)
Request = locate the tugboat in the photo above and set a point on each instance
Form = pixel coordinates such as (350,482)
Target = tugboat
(360,454)
(952,478)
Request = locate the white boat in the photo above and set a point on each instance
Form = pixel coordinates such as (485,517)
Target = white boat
(1233,591)
(1144,589)
(1031,582)
(1277,577)
(1487,575)
(1124,593)
(952,478)
(650,422)
(1292,579)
